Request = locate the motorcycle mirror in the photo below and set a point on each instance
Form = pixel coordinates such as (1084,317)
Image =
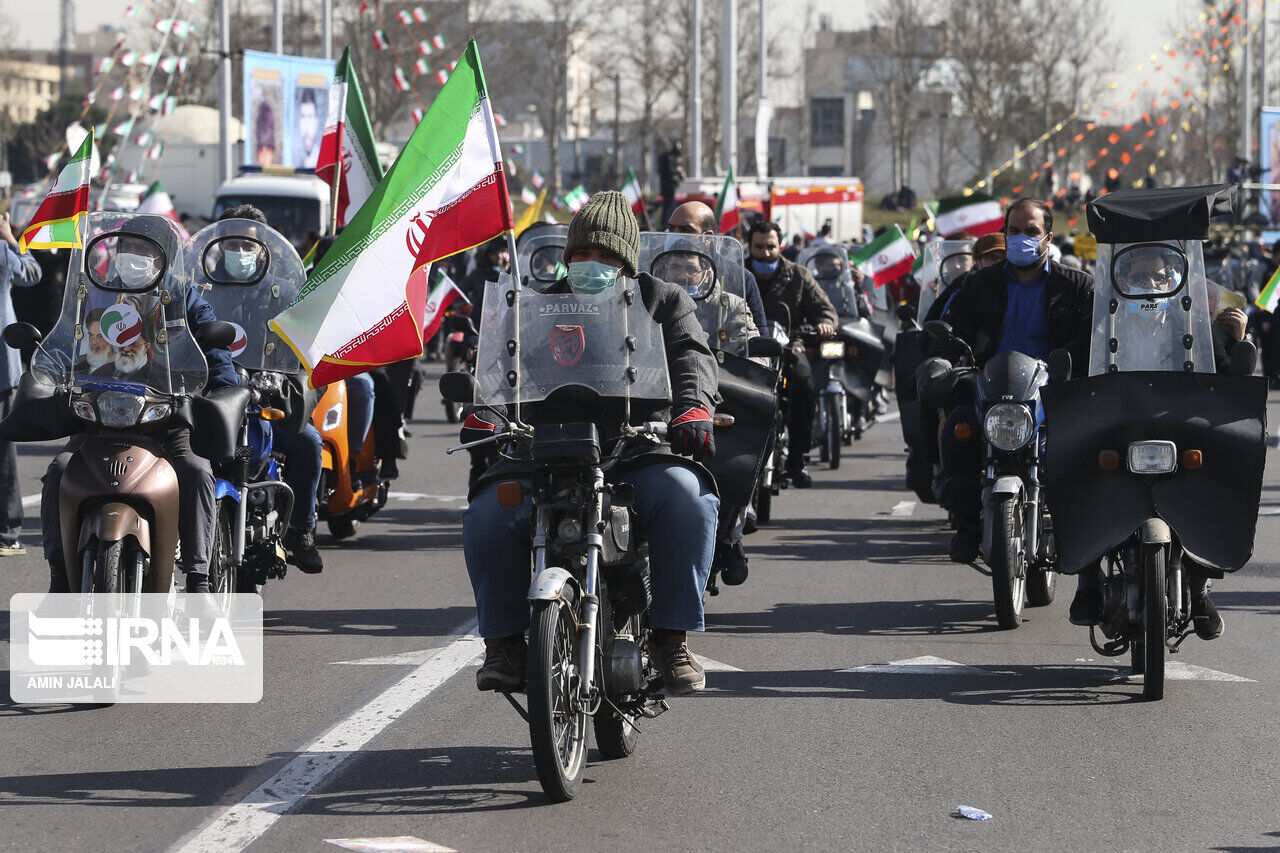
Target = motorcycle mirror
(20,335)
(939,330)
(1244,357)
(216,335)
(458,387)
(767,347)
(462,323)
(1059,364)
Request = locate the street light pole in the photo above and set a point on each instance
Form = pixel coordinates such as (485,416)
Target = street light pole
(695,86)
(224,87)
(326,27)
(729,64)
(617,112)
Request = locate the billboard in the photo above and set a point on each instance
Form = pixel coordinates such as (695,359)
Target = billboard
(285,99)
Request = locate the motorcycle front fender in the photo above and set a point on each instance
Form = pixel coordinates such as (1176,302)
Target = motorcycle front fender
(1155,531)
(1007,486)
(550,583)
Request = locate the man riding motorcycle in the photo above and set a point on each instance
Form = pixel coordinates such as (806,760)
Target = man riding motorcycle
(137,262)
(1028,304)
(694,217)
(792,298)
(675,503)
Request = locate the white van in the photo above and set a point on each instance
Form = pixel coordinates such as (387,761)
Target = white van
(296,205)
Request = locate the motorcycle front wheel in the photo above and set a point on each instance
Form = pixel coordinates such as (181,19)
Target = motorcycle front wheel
(557,726)
(1154,622)
(834,403)
(1008,561)
(223,577)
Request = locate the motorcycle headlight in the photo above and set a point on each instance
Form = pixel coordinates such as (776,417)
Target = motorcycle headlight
(1008,426)
(832,349)
(332,418)
(117,409)
(83,410)
(1153,457)
(155,412)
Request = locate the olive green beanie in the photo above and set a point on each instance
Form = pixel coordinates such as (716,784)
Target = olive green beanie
(606,222)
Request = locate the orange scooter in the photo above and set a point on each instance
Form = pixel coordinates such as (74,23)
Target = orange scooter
(343,502)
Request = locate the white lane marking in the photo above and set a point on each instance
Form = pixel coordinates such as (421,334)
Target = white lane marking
(903,509)
(1266,510)
(245,822)
(710,665)
(391,844)
(419,496)
(1179,671)
(926,665)
(30,500)
(398,659)
(888,418)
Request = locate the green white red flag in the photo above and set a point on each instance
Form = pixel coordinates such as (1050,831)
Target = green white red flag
(1270,295)
(365,303)
(444,294)
(56,223)
(727,206)
(975,215)
(575,198)
(631,189)
(156,200)
(886,258)
(348,138)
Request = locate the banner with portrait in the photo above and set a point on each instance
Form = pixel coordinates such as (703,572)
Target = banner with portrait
(285,99)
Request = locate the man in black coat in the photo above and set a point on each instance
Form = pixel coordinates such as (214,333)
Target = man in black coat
(1027,304)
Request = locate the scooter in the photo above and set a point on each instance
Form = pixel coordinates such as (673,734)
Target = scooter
(344,502)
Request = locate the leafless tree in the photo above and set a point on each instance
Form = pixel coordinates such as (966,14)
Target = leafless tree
(906,45)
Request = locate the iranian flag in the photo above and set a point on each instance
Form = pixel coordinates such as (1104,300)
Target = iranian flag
(444,294)
(56,223)
(631,189)
(727,206)
(348,139)
(886,258)
(575,198)
(1270,295)
(365,303)
(975,214)
(156,200)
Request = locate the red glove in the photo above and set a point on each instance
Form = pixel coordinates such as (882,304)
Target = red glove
(475,428)
(691,434)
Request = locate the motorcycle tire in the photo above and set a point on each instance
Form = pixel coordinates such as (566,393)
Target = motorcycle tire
(223,577)
(1042,586)
(1155,616)
(552,718)
(108,568)
(343,527)
(1008,562)
(833,437)
(616,735)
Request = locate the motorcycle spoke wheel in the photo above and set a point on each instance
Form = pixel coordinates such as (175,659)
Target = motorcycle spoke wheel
(1008,562)
(223,580)
(1154,621)
(557,727)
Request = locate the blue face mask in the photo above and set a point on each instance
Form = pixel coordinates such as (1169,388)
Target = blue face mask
(591,276)
(764,267)
(1022,250)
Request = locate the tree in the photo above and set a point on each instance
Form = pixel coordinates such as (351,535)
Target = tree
(905,47)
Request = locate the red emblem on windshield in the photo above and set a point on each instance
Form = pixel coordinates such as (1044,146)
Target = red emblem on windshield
(567,344)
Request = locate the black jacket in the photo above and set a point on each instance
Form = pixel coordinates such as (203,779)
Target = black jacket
(977,312)
(794,297)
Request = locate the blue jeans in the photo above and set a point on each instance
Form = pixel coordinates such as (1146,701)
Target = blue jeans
(301,471)
(359,412)
(675,511)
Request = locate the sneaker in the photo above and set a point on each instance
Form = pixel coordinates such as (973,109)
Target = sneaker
(1086,607)
(1205,619)
(504,664)
(681,672)
(966,544)
(12,549)
(734,568)
(300,550)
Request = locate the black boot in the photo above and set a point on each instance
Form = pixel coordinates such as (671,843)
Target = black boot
(58,577)
(734,569)
(300,547)
(197,582)
(1086,607)
(1204,616)
(966,544)
(799,474)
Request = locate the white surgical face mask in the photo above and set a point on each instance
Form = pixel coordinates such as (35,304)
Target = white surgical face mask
(135,270)
(241,265)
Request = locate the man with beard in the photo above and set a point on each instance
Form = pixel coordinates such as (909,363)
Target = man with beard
(100,353)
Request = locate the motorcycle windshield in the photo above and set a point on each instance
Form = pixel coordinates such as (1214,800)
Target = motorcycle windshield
(123,324)
(709,268)
(534,344)
(830,267)
(540,257)
(1151,309)
(944,262)
(1012,376)
(248,273)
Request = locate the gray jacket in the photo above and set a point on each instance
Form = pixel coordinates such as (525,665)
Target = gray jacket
(20,271)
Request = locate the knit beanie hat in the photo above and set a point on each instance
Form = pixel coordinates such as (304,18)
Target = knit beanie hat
(606,222)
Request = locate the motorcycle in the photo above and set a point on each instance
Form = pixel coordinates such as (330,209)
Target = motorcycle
(118,495)
(1154,461)
(1017,531)
(588,635)
(775,476)
(343,500)
(255,502)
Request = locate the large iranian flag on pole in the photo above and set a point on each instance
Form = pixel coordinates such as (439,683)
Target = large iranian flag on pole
(348,140)
(975,214)
(365,303)
(56,223)
(886,258)
(727,206)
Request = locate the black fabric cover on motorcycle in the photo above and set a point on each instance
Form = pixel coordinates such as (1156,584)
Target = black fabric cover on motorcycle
(1011,376)
(1162,213)
(1213,509)
(38,413)
(747,389)
(215,422)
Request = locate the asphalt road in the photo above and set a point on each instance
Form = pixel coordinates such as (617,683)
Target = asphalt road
(371,727)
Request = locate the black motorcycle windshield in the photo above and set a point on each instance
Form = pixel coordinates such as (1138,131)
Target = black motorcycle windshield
(1214,509)
(1010,376)
(748,392)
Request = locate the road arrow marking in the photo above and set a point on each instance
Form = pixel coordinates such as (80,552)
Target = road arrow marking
(903,509)
(1178,671)
(926,665)
(392,844)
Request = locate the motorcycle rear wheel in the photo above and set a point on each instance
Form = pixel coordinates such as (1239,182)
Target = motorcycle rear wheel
(1154,621)
(557,729)
(1008,562)
(834,436)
